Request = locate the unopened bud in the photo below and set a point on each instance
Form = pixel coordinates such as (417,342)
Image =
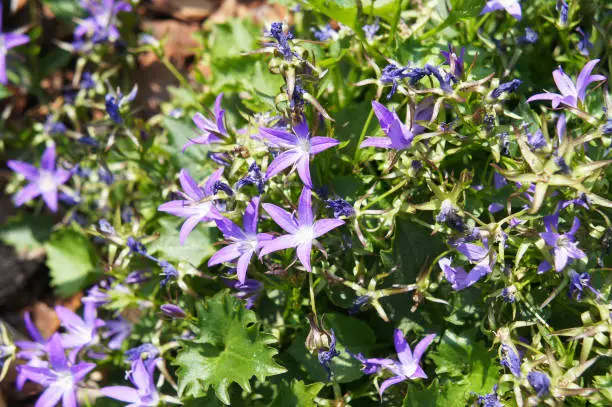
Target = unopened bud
(173,311)
(318,338)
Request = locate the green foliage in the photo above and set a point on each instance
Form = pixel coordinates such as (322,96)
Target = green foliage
(25,232)
(296,394)
(196,248)
(71,260)
(229,348)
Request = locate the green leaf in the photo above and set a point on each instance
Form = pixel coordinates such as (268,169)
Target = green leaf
(229,348)
(345,11)
(65,10)
(71,260)
(26,232)
(472,367)
(197,247)
(233,38)
(179,132)
(351,334)
(297,394)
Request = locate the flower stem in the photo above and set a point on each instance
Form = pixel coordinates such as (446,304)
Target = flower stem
(312,298)
(386,194)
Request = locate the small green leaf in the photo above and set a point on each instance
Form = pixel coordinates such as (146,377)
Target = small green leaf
(71,260)
(179,133)
(229,348)
(26,232)
(197,247)
(297,394)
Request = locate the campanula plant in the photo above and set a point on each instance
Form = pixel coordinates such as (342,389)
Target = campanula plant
(361,204)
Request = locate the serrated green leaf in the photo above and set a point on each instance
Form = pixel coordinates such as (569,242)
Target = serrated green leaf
(230,348)
(26,232)
(197,247)
(296,394)
(71,260)
(179,132)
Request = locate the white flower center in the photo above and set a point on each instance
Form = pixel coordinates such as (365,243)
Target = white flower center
(304,145)
(46,182)
(305,234)
(409,370)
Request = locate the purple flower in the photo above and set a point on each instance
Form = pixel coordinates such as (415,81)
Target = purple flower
(584,44)
(302,232)
(530,37)
(113,103)
(244,242)
(393,74)
(563,9)
(53,127)
(340,207)
(282,40)
(511,360)
(213,130)
(324,33)
(399,136)
(495,207)
(491,399)
(514,222)
(325,356)
(449,215)
(117,330)
(254,177)
(371,365)
(499,181)
(540,382)
(248,291)
(457,276)
(31,349)
(507,87)
(570,93)
(101,26)
(561,127)
(8,41)
(173,311)
(370,30)
(145,392)
(146,351)
(60,378)
(564,246)
(80,332)
(168,271)
(455,62)
(578,282)
(536,140)
(44,181)
(444,80)
(513,7)
(408,366)
(299,148)
(197,205)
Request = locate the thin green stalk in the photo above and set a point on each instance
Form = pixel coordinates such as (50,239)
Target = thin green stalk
(386,194)
(175,72)
(313,305)
(362,136)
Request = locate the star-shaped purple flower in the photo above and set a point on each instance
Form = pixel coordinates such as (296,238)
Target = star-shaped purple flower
(60,378)
(399,136)
(101,25)
(513,7)
(302,231)
(145,392)
(299,148)
(570,93)
(197,205)
(80,332)
(212,129)
(408,366)
(8,41)
(44,181)
(564,246)
(245,242)
(458,277)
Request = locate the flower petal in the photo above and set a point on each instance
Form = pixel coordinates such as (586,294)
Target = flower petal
(47,161)
(50,397)
(26,194)
(420,348)
(280,243)
(381,142)
(322,226)
(318,144)
(282,161)
(303,169)
(243,265)
(303,253)
(29,171)
(210,182)
(390,382)
(190,186)
(226,254)
(402,348)
(50,198)
(305,207)
(121,393)
(282,218)
(279,137)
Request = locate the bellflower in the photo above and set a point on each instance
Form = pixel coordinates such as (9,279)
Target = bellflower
(507,87)
(44,181)
(8,41)
(371,365)
(282,40)
(30,350)
(393,74)
(146,351)
(585,44)
(145,392)
(564,246)
(530,37)
(254,177)
(511,360)
(80,332)
(248,291)
(450,216)
(540,382)
(455,62)
(117,331)
(299,147)
(490,400)
(197,205)
(325,356)
(213,130)
(563,9)
(513,7)
(408,366)
(60,378)
(536,140)
(172,311)
(578,282)
(570,93)
(324,33)
(113,103)
(244,241)
(101,25)
(458,277)
(444,80)
(302,231)
(370,30)
(340,207)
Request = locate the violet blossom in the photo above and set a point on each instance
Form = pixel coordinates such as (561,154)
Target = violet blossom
(511,360)
(80,332)
(197,204)
(117,331)
(455,62)
(213,130)
(101,25)
(146,351)
(144,393)
(44,181)
(513,7)
(563,246)
(299,147)
(458,277)
(8,41)
(571,92)
(113,103)
(371,365)
(578,282)
(408,365)
(540,383)
(248,291)
(60,377)
(302,231)
(31,349)
(244,242)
